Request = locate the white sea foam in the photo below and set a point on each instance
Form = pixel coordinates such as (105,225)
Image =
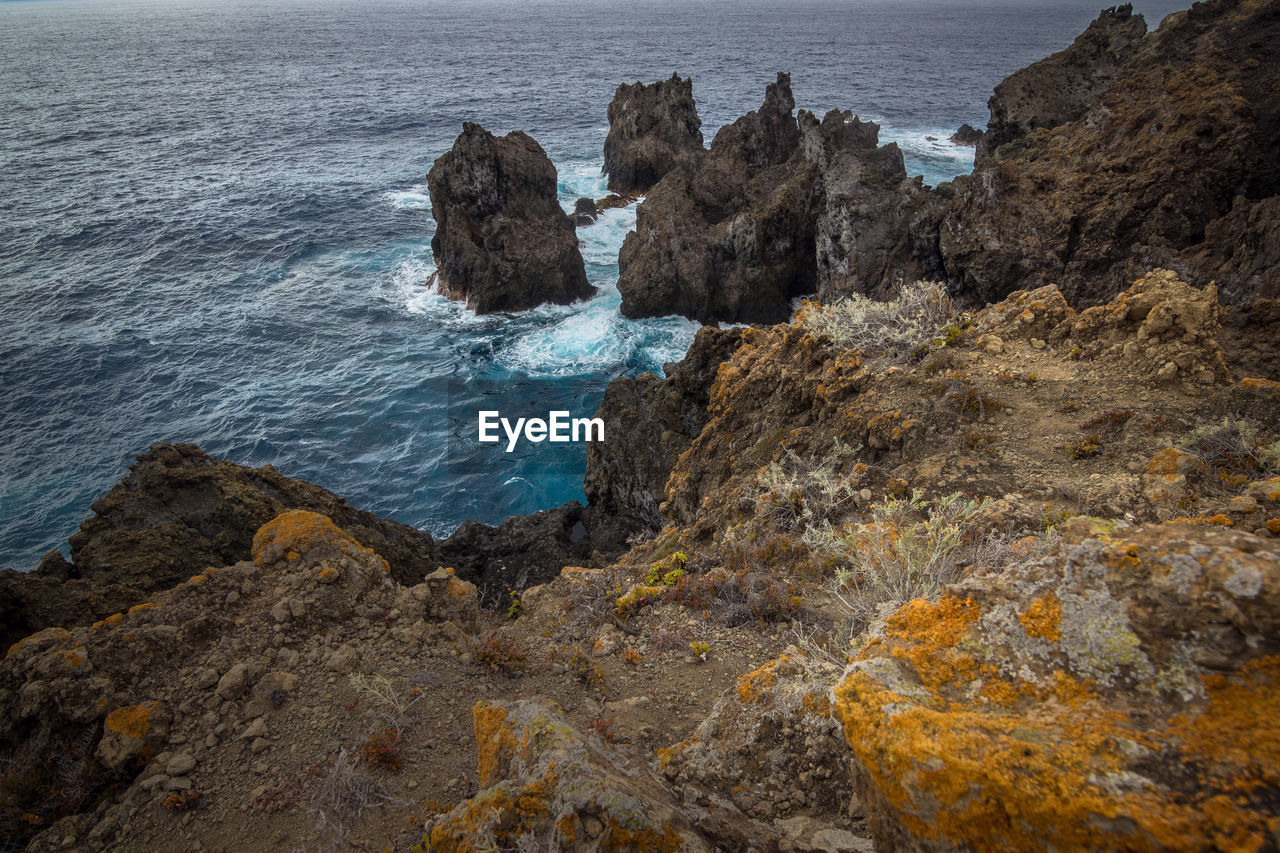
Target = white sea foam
(414,198)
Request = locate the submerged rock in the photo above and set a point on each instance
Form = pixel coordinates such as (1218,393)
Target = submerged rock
(966,134)
(502,242)
(653,128)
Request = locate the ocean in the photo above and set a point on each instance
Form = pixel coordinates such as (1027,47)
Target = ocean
(216,229)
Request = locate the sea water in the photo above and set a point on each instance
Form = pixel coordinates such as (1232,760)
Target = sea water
(215,226)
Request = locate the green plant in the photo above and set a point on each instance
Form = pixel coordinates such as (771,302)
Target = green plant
(1069,406)
(910,548)
(1085,448)
(700,648)
(630,656)
(516,609)
(1236,445)
(970,401)
(792,489)
(382,749)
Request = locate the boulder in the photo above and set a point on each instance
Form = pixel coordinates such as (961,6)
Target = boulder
(541,778)
(178,511)
(584,212)
(502,243)
(653,127)
(1106,696)
(967,135)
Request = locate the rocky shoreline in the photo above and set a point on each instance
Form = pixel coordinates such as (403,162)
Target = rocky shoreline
(978,551)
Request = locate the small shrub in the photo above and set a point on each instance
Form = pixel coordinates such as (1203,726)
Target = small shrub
(898,328)
(792,489)
(1236,446)
(382,749)
(970,401)
(981,441)
(700,648)
(516,609)
(630,656)
(1085,448)
(1069,407)
(908,549)
(604,726)
(500,653)
(1109,422)
(182,801)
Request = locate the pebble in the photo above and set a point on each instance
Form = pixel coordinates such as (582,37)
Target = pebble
(259,746)
(181,764)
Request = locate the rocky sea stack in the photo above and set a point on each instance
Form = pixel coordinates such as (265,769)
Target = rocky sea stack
(502,242)
(653,128)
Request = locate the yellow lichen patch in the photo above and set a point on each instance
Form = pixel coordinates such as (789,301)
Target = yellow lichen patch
(1043,619)
(1257,383)
(74,658)
(818,704)
(458,588)
(751,685)
(40,638)
(134,720)
(935,631)
(1171,461)
(135,608)
(327,574)
(1221,519)
(644,840)
(299,531)
(1273,524)
(114,619)
(495,742)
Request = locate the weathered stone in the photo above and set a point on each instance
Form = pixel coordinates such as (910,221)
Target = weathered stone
(502,242)
(653,128)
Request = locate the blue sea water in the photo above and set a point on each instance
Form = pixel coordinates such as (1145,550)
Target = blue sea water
(215,226)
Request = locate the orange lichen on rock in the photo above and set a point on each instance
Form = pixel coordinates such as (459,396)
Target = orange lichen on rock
(495,741)
(1220,519)
(1042,619)
(976,722)
(299,532)
(150,604)
(134,720)
(753,683)
(1257,383)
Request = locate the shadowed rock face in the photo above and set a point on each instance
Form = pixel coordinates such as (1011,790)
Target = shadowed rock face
(649,422)
(732,239)
(1127,152)
(1062,87)
(653,127)
(502,242)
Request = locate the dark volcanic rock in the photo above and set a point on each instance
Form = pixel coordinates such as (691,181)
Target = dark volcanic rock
(731,240)
(1123,153)
(653,128)
(967,134)
(875,227)
(649,422)
(178,512)
(502,242)
(526,550)
(585,212)
(1062,87)
(181,510)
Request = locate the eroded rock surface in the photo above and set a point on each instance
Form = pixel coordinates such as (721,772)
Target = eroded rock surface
(653,128)
(1099,698)
(502,242)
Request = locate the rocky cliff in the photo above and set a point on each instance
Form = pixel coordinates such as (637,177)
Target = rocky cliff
(653,128)
(502,243)
(1126,152)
